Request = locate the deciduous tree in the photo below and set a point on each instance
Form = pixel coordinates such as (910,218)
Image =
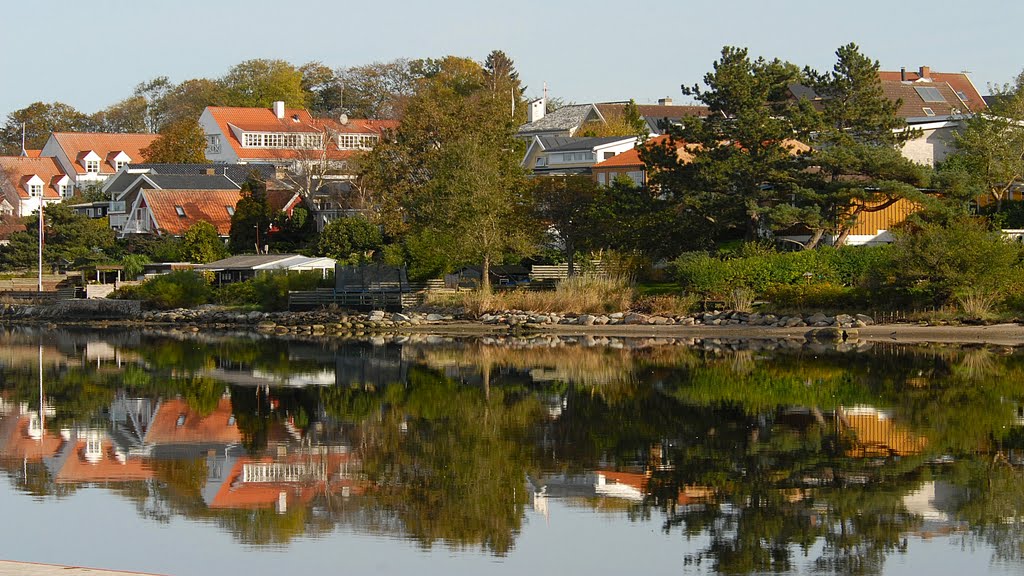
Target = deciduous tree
(39,120)
(180,142)
(202,244)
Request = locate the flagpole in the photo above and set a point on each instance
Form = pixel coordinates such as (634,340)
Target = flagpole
(41,243)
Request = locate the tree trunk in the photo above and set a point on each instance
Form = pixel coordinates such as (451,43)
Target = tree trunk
(844,233)
(485,275)
(815,239)
(570,253)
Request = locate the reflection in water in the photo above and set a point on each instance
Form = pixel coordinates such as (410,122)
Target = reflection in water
(780,457)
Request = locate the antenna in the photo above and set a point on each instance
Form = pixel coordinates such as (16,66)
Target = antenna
(545,93)
(23,151)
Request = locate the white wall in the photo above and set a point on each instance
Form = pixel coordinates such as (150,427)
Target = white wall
(226,153)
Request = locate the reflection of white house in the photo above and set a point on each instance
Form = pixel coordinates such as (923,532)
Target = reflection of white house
(92,157)
(26,183)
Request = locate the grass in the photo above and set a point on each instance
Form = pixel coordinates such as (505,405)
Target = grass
(576,295)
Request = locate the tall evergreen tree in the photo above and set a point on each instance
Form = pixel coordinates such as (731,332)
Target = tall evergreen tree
(250,224)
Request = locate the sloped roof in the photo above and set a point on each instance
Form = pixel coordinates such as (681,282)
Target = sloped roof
(17,170)
(567,118)
(197,205)
(294,121)
(214,428)
(33,153)
(959,81)
(103,144)
(16,443)
(655,113)
(588,143)
(631,158)
(249,261)
(76,469)
(913,104)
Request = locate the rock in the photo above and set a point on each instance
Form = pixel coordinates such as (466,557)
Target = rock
(844,319)
(399,317)
(586,320)
(616,316)
(376,315)
(659,320)
(829,334)
(867,320)
(819,317)
(434,317)
(266,326)
(634,319)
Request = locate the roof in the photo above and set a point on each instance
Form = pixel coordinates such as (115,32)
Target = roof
(914,105)
(294,121)
(250,261)
(237,172)
(567,119)
(107,467)
(283,200)
(33,153)
(17,170)
(218,427)
(653,114)
(588,143)
(103,144)
(196,206)
(631,158)
(959,81)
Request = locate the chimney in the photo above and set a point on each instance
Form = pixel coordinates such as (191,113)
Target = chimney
(536,110)
(926,73)
(279,109)
(903,73)
(666,101)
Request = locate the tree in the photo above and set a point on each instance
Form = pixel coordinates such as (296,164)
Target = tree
(991,146)
(39,120)
(69,236)
(627,122)
(180,142)
(451,177)
(154,92)
(202,244)
(566,204)
(323,88)
(258,83)
(858,166)
(503,81)
(127,116)
(742,166)
(380,90)
(349,239)
(186,101)
(250,223)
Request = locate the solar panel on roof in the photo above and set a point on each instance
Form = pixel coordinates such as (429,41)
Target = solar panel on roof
(929,94)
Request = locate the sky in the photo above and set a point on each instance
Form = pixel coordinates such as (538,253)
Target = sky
(586,51)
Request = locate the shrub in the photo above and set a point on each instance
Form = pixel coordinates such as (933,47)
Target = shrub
(824,295)
(741,299)
(666,304)
(268,291)
(181,289)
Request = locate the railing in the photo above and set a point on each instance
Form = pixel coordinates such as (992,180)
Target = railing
(282,472)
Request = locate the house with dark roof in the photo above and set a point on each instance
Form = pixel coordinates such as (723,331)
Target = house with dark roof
(935,110)
(26,183)
(89,158)
(564,121)
(563,156)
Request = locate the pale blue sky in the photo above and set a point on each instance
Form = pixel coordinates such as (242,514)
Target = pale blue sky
(92,54)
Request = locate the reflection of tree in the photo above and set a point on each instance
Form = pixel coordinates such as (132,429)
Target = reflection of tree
(450,462)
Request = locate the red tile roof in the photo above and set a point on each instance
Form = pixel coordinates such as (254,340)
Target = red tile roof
(77,469)
(16,443)
(33,153)
(913,105)
(213,428)
(283,200)
(74,144)
(959,81)
(198,205)
(631,158)
(18,170)
(295,120)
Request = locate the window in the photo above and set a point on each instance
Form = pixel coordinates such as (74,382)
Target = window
(601,178)
(928,111)
(65,190)
(181,420)
(35,190)
(637,177)
(608,155)
(92,166)
(230,209)
(542,161)
(231,420)
(120,164)
(929,94)
(356,141)
(180,211)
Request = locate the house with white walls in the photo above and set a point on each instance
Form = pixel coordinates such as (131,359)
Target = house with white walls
(26,183)
(89,158)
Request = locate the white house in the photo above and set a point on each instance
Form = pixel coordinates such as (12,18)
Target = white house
(28,182)
(91,157)
(562,156)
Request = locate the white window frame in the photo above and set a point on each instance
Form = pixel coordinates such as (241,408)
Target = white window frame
(92,166)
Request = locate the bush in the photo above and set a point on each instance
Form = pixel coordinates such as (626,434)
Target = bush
(181,289)
(268,291)
(821,296)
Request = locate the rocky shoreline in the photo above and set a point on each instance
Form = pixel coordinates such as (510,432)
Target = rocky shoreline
(337,324)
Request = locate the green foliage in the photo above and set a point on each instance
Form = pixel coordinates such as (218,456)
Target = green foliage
(258,83)
(268,291)
(252,218)
(69,236)
(349,240)
(133,265)
(201,244)
(40,119)
(180,142)
(180,289)
(935,262)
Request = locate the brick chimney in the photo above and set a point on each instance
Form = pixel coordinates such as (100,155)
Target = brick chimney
(925,72)
(279,109)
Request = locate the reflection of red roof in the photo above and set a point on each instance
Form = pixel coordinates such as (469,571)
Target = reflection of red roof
(76,144)
(959,81)
(77,469)
(234,493)
(16,442)
(196,429)
(197,205)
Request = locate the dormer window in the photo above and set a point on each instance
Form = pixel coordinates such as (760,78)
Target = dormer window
(180,211)
(92,166)
(35,190)
(230,209)
(928,111)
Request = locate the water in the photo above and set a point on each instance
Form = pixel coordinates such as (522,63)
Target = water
(197,454)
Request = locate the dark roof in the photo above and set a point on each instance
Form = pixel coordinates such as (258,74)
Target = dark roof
(588,143)
(913,105)
(565,119)
(237,172)
(193,181)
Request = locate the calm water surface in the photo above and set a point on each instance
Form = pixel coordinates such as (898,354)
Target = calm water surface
(203,454)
